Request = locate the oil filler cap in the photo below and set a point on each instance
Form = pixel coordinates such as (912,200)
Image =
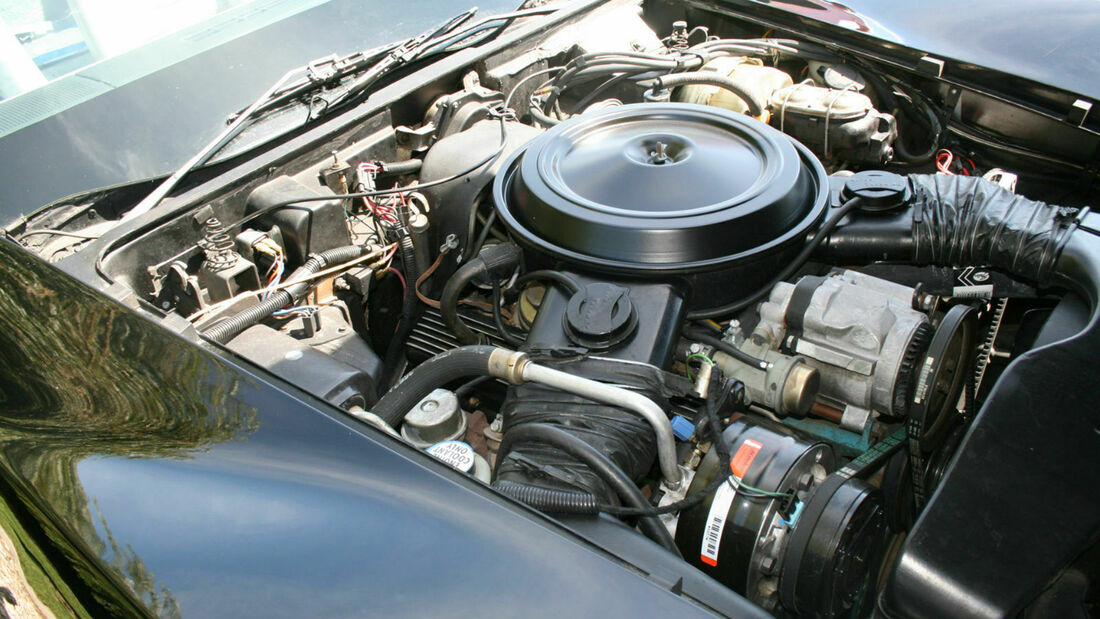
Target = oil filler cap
(880,191)
(600,316)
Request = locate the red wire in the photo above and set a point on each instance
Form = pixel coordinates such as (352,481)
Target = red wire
(379,210)
(943,161)
(273,273)
(969,162)
(401,278)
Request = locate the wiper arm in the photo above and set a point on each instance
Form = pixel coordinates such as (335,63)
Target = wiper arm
(324,72)
(318,74)
(401,55)
(231,131)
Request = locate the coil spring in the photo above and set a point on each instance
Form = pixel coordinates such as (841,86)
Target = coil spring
(218,246)
(678,40)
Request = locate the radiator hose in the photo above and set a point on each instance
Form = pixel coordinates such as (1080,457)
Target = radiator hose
(444,368)
(228,328)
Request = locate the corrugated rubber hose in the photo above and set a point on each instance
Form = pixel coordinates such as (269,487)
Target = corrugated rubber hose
(959,221)
(228,328)
(598,463)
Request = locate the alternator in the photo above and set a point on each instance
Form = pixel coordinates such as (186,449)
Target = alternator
(859,331)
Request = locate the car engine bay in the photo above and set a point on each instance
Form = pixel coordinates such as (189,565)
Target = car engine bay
(658,269)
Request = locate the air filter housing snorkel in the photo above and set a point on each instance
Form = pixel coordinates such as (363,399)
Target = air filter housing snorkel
(651,190)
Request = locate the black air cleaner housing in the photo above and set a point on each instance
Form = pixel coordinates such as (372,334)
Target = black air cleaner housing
(718,199)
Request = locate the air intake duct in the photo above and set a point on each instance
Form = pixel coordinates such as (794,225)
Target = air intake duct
(960,221)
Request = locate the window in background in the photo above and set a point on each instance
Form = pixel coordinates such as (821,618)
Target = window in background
(41,40)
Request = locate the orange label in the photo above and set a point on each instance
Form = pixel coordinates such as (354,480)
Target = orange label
(746,453)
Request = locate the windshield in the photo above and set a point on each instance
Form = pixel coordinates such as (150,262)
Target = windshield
(166,76)
(71,50)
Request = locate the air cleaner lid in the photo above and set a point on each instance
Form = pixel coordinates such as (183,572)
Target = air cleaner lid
(660,187)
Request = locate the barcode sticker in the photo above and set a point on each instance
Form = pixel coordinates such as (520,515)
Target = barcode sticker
(716,523)
(922,379)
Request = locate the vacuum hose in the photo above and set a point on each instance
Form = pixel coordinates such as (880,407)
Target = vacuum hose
(493,262)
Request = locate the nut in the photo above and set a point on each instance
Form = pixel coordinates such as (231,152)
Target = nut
(767,565)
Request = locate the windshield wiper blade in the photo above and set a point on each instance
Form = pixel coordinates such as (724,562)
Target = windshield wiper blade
(328,71)
(284,90)
(401,55)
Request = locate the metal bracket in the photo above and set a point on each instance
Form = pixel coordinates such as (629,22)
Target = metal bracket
(1079,112)
(930,65)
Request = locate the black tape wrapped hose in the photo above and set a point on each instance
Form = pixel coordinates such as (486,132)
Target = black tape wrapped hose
(446,367)
(599,464)
(963,221)
(621,435)
(707,78)
(228,328)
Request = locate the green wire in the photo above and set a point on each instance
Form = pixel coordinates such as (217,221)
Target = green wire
(701,356)
(694,355)
(740,484)
(755,490)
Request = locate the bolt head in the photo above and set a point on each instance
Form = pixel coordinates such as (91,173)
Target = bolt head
(767,564)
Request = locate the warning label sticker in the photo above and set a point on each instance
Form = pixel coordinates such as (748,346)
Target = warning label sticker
(455,453)
(746,453)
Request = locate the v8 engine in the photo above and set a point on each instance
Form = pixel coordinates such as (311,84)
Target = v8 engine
(734,305)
